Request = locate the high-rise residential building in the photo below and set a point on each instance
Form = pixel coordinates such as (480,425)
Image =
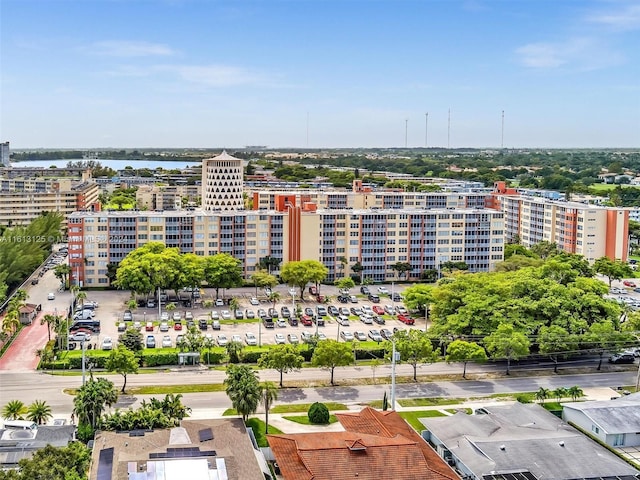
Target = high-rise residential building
(5,154)
(222,183)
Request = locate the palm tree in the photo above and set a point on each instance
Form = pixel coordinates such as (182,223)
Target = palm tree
(575,392)
(14,410)
(11,322)
(542,394)
(234,351)
(52,321)
(39,412)
(91,400)
(62,272)
(559,393)
(269,395)
(274,297)
(81,296)
(243,389)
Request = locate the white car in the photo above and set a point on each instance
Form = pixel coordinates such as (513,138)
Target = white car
(166,342)
(293,338)
(51,296)
(177,316)
(81,337)
(254,301)
(250,338)
(236,338)
(164,317)
(383,290)
(164,327)
(390,309)
(219,302)
(188,316)
(360,336)
(226,314)
(107,343)
(347,336)
(342,320)
(375,335)
(222,340)
(215,315)
(279,338)
(401,309)
(281,323)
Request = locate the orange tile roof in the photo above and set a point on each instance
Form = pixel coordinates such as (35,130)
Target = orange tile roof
(376,446)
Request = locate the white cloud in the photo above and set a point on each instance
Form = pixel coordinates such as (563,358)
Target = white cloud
(576,53)
(124,48)
(627,18)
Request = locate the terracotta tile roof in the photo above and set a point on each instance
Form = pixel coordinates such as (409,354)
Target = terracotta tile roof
(376,446)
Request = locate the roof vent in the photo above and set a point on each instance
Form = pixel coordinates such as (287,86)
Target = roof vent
(561,444)
(502,447)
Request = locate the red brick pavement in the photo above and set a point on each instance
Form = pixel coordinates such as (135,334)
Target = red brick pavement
(21,355)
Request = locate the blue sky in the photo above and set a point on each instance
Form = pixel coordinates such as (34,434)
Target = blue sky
(319,73)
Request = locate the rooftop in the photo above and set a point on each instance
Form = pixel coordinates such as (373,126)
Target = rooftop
(621,415)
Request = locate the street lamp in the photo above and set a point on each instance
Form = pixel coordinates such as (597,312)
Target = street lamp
(338,334)
(82,345)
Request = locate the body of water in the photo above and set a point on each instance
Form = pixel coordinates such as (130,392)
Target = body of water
(115,164)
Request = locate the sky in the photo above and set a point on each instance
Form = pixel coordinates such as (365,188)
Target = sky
(320,73)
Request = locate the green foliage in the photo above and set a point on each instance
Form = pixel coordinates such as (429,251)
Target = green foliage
(243,389)
(462,351)
(318,414)
(122,361)
(282,358)
(302,272)
(53,463)
(156,413)
(14,410)
(39,412)
(414,347)
(507,343)
(91,400)
(148,268)
(132,340)
(385,402)
(612,269)
(330,354)
(345,282)
(222,271)
(418,296)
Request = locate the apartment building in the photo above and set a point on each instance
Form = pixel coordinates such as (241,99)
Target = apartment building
(5,154)
(23,199)
(167,197)
(590,230)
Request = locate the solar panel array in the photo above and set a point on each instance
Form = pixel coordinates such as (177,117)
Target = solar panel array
(205,434)
(105,464)
(187,452)
(510,476)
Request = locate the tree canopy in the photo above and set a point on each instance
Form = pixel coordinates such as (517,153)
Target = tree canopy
(301,273)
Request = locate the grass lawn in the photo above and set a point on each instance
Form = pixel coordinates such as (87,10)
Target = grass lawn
(468,411)
(605,187)
(258,428)
(412,417)
(304,420)
(430,402)
(166,389)
(304,407)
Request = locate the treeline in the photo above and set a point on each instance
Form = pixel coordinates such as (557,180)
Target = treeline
(23,249)
(48,155)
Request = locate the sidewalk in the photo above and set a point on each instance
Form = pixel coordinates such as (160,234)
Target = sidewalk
(20,356)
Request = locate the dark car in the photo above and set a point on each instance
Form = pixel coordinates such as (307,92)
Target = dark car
(293,321)
(622,358)
(202,323)
(364,290)
(378,319)
(333,310)
(268,322)
(374,297)
(319,320)
(396,297)
(308,311)
(343,298)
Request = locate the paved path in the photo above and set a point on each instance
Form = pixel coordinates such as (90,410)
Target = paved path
(20,356)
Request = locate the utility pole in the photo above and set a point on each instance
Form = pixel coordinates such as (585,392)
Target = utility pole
(394,357)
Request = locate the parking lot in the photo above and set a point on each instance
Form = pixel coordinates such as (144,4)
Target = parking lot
(114,316)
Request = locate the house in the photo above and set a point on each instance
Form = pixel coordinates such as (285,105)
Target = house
(16,444)
(615,422)
(521,441)
(374,446)
(28,313)
(208,449)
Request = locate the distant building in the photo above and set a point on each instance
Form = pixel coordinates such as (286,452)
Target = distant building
(5,154)
(196,450)
(521,441)
(222,183)
(16,444)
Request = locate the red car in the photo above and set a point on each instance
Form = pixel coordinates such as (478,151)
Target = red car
(306,320)
(629,283)
(177,326)
(378,309)
(406,319)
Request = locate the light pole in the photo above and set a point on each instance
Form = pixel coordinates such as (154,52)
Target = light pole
(338,334)
(260,333)
(82,344)
(395,356)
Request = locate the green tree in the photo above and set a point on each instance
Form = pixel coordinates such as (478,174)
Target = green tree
(14,410)
(345,283)
(555,341)
(559,393)
(53,323)
(419,297)
(318,414)
(300,273)
(507,343)
(91,400)
(262,279)
(542,394)
(192,272)
(222,271)
(274,297)
(234,351)
(243,389)
(603,337)
(465,352)
(269,395)
(39,412)
(575,392)
(53,463)
(403,268)
(148,268)
(282,358)
(612,269)
(62,272)
(414,347)
(544,249)
(132,340)
(269,263)
(123,361)
(330,354)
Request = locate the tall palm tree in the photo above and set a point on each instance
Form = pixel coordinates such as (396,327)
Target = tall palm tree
(11,322)
(559,393)
(274,297)
(14,410)
(575,392)
(91,400)
(269,395)
(39,412)
(542,394)
(52,321)
(81,297)
(243,389)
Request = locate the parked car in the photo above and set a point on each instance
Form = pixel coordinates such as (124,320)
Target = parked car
(215,315)
(81,337)
(396,297)
(281,323)
(262,313)
(343,298)
(308,311)
(321,311)
(406,319)
(51,296)
(251,339)
(342,320)
(344,311)
(333,310)
(360,336)
(188,316)
(236,338)
(177,326)
(202,324)
(127,316)
(122,327)
(624,357)
(347,336)
(151,304)
(279,339)
(375,298)
(377,319)
(293,321)
(375,335)
(215,324)
(249,313)
(383,291)
(285,312)
(365,290)
(386,333)
(321,336)
(164,317)
(222,340)
(313,290)
(254,301)
(293,338)
(629,283)
(151,341)
(402,310)
(378,310)
(225,314)
(356,311)
(166,342)
(306,320)
(268,322)
(390,309)
(273,313)
(219,302)
(34,281)
(148,327)
(238,315)
(353,299)
(366,319)
(107,343)
(319,320)
(268,291)
(164,327)
(177,316)
(305,336)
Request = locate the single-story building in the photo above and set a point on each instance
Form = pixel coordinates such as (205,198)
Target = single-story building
(19,443)
(615,422)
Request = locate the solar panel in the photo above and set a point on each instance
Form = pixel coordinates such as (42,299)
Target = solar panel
(205,434)
(187,452)
(105,464)
(136,433)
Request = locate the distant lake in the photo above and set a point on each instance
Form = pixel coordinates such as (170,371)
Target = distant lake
(115,164)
